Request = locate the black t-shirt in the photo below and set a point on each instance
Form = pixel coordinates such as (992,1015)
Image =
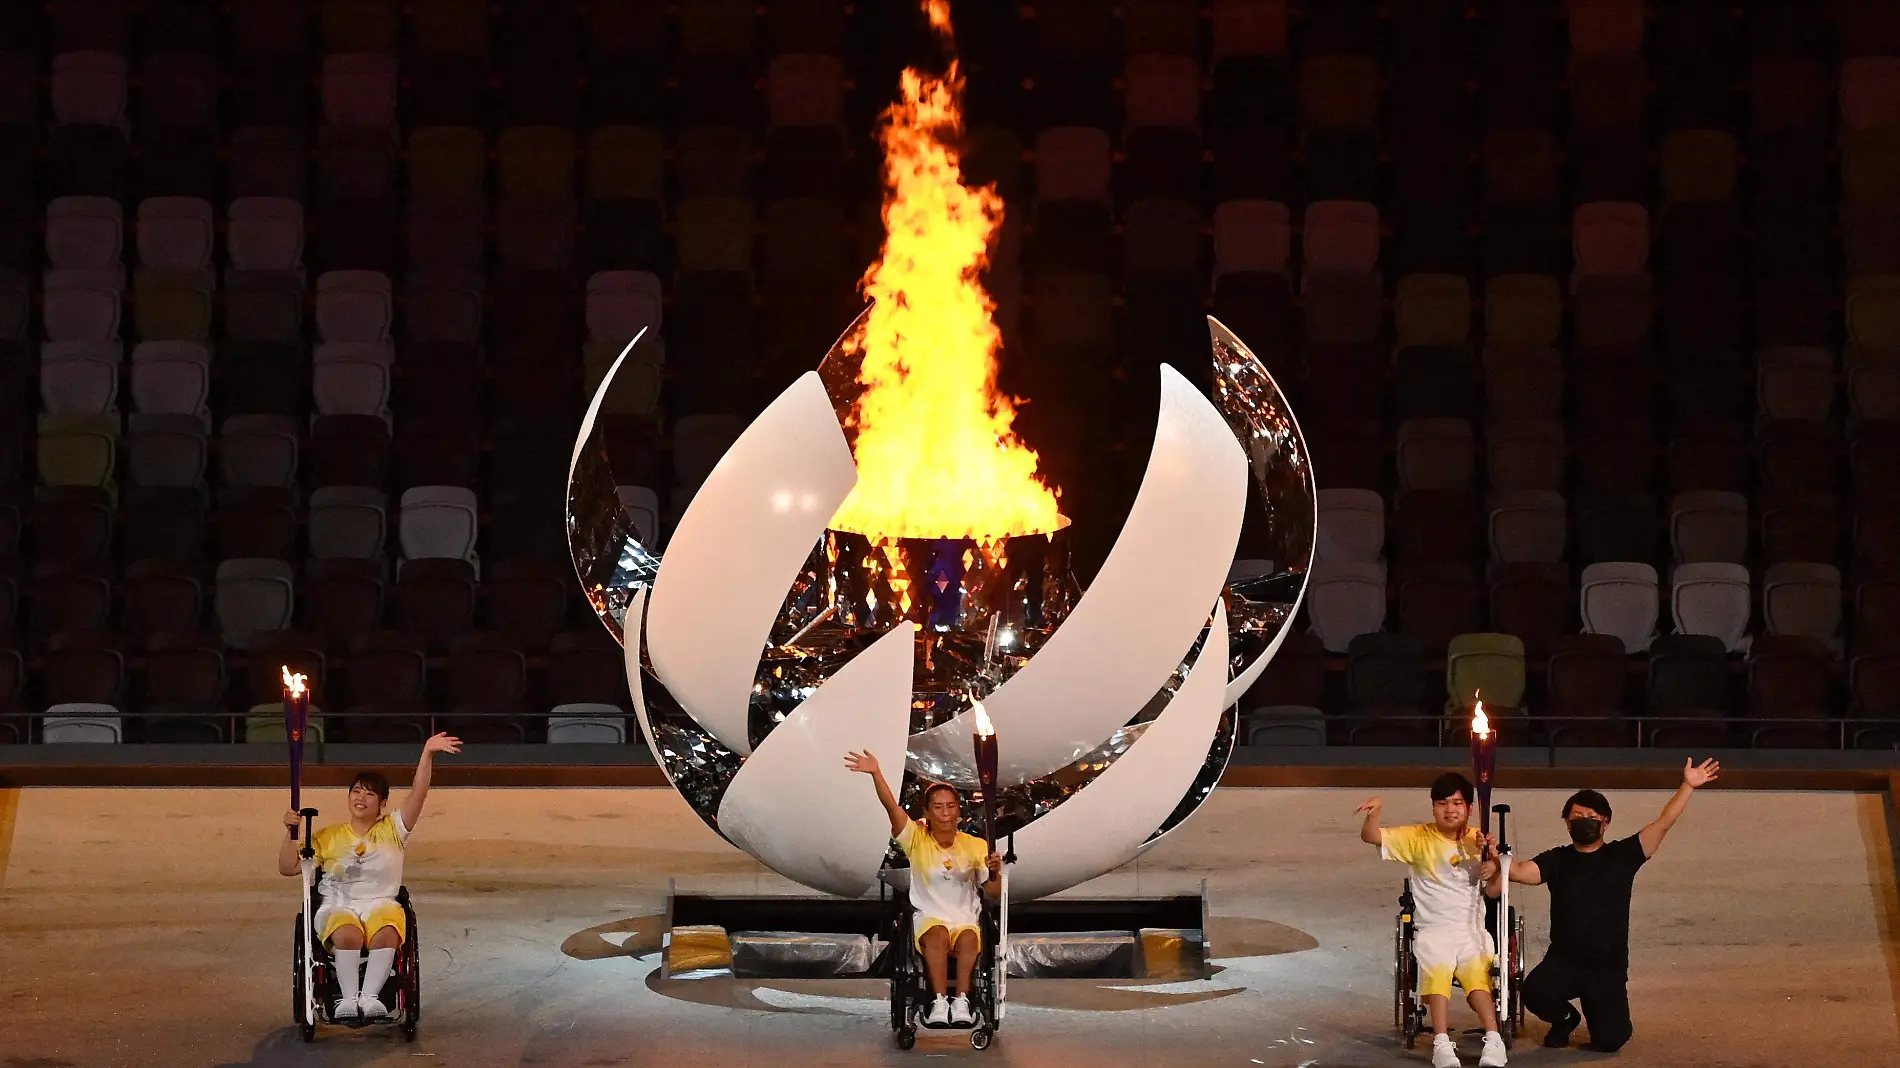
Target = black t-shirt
(1590,899)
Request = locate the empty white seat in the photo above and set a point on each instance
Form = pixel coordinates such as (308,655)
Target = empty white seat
(1528,527)
(1621,599)
(1802,598)
(352,378)
(258,450)
(642,508)
(1252,235)
(83,304)
(89,87)
(1712,598)
(1709,525)
(1072,163)
(1611,237)
(176,233)
(166,450)
(587,723)
(265,234)
(84,723)
(348,522)
(172,378)
(359,89)
(1351,525)
(1341,237)
(79,377)
(84,232)
(354,306)
(1285,725)
(622,303)
(254,594)
(438,522)
(1345,598)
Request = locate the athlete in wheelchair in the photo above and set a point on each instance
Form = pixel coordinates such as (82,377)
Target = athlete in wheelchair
(1451,924)
(949,906)
(356,928)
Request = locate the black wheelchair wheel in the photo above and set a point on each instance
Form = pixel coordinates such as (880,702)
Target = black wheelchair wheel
(906,1037)
(980,1037)
(299,1005)
(1404,1008)
(412,977)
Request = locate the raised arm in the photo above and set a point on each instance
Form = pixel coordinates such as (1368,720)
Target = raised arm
(1369,831)
(1693,776)
(866,763)
(289,847)
(419,786)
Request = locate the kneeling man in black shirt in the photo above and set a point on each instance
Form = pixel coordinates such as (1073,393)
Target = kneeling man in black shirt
(1590,883)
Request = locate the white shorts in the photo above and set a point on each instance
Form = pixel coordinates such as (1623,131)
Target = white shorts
(1453,952)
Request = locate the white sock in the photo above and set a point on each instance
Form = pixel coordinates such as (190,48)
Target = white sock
(380,961)
(349,967)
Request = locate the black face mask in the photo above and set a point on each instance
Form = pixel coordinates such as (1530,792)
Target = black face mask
(1584,830)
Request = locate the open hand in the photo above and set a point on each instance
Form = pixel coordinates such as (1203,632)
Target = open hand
(861,762)
(442,743)
(1694,775)
(1371,808)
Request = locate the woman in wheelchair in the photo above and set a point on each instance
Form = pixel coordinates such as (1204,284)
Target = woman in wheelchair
(361,862)
(949,871)
(1451,876)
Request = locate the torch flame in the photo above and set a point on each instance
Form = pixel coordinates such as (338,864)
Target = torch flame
(983,726)
(293,682)
(1480,723)
(936,453)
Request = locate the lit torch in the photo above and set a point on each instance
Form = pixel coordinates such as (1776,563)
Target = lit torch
(986,770)
(296,718)
(1484,760)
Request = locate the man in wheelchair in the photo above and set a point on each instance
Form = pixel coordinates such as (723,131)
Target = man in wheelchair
(1451,875)
(949,871)
(361,864)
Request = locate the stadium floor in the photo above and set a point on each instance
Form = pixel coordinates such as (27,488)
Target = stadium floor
(142,927)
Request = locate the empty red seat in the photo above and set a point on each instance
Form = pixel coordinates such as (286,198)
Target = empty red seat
(387,677)
(435,600)
(488,689)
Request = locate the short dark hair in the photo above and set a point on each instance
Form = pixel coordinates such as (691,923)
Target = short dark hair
(1451,783)
(1589,799)
(374,781)
(934,787)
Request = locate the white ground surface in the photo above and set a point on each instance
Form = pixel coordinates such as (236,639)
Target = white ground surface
(148,927)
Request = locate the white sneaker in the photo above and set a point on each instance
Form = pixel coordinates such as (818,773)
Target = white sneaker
(939,1014)
(1444,1054)
(1493,1055)
(344,1009)
(960,1011)
(372,1008)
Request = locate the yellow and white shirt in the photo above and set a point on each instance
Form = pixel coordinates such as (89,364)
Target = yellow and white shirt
(1446,890)
(945,884)
(364,869)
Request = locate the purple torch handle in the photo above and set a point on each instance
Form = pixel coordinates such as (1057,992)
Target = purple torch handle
(296,719)
(986,774)
(1484,758)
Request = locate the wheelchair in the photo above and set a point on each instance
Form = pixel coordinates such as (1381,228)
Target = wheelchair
(313,981)
(910,984)
(1507,969)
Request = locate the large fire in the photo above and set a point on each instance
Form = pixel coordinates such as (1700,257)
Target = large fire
(936,453)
